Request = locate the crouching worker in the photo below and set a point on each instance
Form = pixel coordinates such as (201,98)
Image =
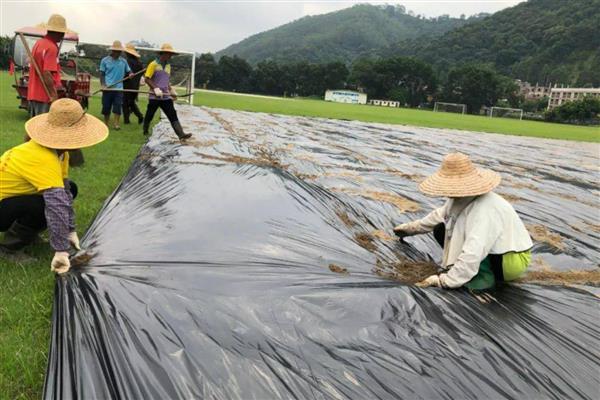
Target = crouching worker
(484,240)
(35,192)
(157,77)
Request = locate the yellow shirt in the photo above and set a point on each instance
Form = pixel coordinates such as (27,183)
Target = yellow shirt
(30,168)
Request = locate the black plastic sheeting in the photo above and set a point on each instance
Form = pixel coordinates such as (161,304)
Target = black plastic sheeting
(211,274)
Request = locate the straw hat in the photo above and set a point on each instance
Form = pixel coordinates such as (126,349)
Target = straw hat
(57,23)
(167,48)
(130,49)
(458,177)
(66,126)
(117,46)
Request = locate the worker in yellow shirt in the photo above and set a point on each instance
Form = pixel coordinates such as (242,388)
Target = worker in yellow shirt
(35,191)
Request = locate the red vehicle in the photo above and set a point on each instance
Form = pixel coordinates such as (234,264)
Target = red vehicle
(75,84)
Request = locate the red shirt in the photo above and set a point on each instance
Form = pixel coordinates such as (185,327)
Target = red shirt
(45,54)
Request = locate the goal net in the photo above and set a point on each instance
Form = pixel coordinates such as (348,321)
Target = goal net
(506,112)
(450,107)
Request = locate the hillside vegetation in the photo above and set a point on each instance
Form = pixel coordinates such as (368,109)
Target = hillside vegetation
(340,36)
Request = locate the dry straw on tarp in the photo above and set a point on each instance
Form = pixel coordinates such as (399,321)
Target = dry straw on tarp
(458,177)
(66,126)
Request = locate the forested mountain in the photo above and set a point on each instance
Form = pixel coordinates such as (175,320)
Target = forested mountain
(341,35)
(544,41)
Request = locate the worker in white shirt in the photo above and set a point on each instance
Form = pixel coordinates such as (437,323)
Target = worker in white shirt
(484,240)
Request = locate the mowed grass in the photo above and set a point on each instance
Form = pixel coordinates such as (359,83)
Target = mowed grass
(404,116)
(26,286)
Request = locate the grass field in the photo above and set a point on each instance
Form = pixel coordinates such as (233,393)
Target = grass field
(26,292)
(318,108)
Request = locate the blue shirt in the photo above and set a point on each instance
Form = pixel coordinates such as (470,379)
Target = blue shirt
(114,70)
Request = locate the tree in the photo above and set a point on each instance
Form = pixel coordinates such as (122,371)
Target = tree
(268,78)
(5,44)
(474,85)
(206,67)
(233,74)
(403,79)
(580,111)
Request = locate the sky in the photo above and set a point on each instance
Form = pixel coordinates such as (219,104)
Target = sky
(196,25)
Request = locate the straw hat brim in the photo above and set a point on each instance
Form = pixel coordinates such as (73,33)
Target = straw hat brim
(85,133)
(116,49)
(132,52)
(174,52)
(475,183)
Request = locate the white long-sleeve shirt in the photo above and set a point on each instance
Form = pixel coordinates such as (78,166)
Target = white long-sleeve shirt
(475,227)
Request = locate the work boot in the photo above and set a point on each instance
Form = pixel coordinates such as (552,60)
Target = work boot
(146,127)
(18,236)
(179,131)
(140,119)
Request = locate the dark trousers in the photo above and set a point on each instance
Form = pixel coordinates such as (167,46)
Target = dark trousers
(130,106)
(439,233)
(165,105)
(26,210)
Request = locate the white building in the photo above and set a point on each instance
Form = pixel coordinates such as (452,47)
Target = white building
(385,103)
(559,96)
(346,96)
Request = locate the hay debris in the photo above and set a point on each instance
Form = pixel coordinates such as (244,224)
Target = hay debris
(406,271)
(403,204)
(365,240)
(345,218)
(381,234)
(563,278)
(511,198)
(540,233)
(337,269)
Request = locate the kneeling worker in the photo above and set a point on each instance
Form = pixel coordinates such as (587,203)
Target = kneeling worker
(34,190)
(484,240)
(157,77)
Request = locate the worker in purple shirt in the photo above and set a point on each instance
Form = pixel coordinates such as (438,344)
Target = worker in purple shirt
(35,192)
(157,77)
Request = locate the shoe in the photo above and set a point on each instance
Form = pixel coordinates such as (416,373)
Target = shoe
(117,128)
(179,131)
(140,120)
(18,236)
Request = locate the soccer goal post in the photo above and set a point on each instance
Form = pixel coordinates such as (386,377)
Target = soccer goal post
(440,106)
(506,112)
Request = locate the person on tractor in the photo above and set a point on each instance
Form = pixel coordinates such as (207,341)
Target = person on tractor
(113,69)
(45,55)
(157,77)
(35,191)
(130,98)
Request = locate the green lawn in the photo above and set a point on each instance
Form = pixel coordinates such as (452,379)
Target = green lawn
(405,116)
(26,287)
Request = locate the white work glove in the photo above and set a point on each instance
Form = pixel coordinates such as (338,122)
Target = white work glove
(74,240)
(403,231)
(60,263)
(433,280)
(158,92)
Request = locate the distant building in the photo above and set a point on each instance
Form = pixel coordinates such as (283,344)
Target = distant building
(530,92)
(385,103)
(559,96)
(346,96)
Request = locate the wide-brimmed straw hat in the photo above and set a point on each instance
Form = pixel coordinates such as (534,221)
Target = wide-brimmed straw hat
(57,23)
(458,177)
(167,48)
(130,49)
(117,46)
(66,126)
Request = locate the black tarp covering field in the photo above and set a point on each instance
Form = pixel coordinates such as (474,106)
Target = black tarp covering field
(211,272)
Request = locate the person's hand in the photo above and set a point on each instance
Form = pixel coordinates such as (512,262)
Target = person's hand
(402,231)
(74,240)
(60,263)
(173,94)
(433,280)
(158,92)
